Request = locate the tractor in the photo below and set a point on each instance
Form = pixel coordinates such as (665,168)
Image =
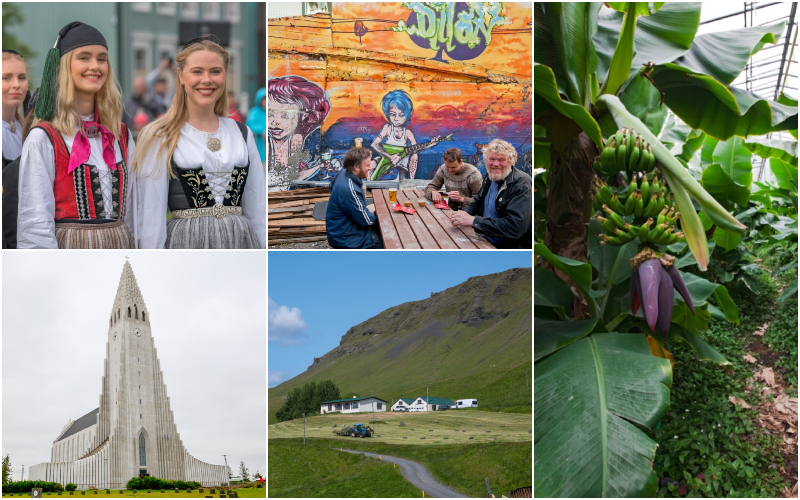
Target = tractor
(357,430)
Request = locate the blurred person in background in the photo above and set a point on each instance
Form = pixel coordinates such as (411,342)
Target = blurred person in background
(141,102)
(15,87)
(233,108)
(157,83)
(198,164)
(257,121)
(73,173)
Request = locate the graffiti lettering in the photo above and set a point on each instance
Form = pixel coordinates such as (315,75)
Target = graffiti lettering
(436,22)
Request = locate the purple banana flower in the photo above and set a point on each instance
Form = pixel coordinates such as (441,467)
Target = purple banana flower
(680,286)
(650,272)
(665,299)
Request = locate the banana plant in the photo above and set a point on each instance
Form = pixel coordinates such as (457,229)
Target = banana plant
(597,69)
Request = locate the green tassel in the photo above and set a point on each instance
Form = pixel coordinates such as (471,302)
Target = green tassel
(46,103)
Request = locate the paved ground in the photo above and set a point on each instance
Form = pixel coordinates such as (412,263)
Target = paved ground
(417,475)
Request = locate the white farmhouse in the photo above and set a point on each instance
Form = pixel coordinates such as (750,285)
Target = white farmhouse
(423,403)
(402,404)
(353,405)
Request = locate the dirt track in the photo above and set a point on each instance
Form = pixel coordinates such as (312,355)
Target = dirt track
(417,475)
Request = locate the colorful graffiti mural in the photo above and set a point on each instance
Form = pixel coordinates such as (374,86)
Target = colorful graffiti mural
(408,80)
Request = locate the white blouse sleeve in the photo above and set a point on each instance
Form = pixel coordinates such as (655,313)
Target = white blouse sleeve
(147,214)
(36,227)
(128,196)
(254,199)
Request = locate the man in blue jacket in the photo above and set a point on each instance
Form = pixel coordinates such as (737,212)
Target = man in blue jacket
(348,222)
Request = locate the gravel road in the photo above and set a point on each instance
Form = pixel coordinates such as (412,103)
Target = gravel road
(417,475)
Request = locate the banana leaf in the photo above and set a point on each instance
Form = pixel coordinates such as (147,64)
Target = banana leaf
(723,188)
(785,99)
(563,39)
(550,336)
(703,351)
(704,103)
(701,289)
(735,160)
(785,151)
(790,290)
(785,174)
(544,84)
(551,291)
(586,397)
(660,38)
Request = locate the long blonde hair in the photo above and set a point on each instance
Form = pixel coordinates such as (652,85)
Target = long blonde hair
(169,125)
(7,56)
(108,101)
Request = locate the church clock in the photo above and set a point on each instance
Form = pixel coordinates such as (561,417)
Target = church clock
(137,332)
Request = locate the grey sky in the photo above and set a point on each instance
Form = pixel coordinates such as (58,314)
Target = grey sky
(208,316)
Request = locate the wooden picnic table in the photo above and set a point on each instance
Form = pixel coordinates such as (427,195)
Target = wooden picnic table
(429,227)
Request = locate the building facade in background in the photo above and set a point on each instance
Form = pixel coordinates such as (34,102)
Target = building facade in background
(133,430)
(139,34)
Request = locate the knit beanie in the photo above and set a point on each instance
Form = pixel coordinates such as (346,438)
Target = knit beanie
(72,36)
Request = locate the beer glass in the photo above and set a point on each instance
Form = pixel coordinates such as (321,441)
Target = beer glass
(393,195)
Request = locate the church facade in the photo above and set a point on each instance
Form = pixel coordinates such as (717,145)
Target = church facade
(133,430)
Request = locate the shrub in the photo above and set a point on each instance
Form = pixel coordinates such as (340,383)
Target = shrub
(155,483)
(71,487)
(27,486)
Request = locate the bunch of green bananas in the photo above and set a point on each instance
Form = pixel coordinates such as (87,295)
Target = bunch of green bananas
(625,151)
(632,212)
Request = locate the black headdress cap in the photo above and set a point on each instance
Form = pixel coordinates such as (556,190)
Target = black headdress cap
(72,36)
(12,52)
(207,36)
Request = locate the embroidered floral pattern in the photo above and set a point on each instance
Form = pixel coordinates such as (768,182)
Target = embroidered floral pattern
(236,185)
(195,180)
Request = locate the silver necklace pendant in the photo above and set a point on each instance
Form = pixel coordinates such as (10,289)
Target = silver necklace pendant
(13,126)
(213,144)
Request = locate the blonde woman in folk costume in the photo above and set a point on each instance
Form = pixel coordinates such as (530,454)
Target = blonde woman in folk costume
(73,176)
(199,164)
(15,86)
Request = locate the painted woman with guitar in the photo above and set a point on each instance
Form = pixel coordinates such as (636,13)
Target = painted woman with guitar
(400,149)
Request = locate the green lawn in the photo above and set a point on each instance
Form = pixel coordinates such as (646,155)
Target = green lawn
(308,471)
(441,427)
(463,467)
(242,492)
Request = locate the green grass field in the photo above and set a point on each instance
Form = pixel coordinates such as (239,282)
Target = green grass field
(242,492)
(461,467)
(443,427)
(308,471)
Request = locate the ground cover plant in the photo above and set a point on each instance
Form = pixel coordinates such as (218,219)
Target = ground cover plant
(461,467)
(647,217)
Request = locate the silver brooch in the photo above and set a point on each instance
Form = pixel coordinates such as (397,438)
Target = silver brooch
(213,144)
(13,126)
(92,131)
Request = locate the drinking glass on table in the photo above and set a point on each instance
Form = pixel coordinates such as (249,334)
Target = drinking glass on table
(392,195)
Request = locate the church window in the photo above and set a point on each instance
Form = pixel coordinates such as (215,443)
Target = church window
(142,460)
(142,315)
(136,311)
(140,416)
(117,313)
(129,312)
(140,401)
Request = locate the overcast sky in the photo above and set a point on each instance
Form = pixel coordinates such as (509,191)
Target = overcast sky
(208,321)
(315,297)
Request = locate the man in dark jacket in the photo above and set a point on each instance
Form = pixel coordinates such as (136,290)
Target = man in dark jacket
(347,220)
(140,102)
(502,210)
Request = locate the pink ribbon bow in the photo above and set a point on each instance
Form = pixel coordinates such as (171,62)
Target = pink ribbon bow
(81,148)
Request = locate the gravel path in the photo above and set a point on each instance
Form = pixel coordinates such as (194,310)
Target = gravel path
(417,475)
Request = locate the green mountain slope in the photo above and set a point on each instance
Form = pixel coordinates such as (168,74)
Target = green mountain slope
(470,341)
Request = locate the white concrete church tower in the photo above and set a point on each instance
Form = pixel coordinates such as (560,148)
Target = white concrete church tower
(133,431)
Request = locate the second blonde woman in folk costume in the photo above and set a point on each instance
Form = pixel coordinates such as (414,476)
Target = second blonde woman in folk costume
(199,164)
(15,88)
(73,176)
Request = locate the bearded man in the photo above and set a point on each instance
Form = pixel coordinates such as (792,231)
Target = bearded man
(502,210)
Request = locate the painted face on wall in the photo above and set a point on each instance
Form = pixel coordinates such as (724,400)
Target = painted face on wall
(282,119)
(396,116)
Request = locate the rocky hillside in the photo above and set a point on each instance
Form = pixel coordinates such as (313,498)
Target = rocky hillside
(470,339)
